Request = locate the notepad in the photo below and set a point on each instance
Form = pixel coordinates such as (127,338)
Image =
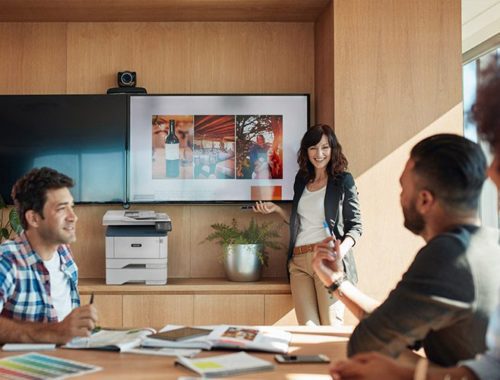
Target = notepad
(28,346)
(225,365)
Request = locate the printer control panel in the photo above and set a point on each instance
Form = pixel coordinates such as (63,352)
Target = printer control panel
(144,215)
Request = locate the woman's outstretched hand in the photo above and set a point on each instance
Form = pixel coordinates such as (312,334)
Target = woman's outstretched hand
(265,207)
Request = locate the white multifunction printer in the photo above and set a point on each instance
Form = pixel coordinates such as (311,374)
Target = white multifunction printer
(136,246)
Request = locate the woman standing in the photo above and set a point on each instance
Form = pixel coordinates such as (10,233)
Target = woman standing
(323,191)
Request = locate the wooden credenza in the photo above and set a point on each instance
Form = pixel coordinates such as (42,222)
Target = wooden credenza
(191,301)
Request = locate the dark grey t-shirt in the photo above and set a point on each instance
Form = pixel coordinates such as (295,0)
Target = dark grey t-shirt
(443,300)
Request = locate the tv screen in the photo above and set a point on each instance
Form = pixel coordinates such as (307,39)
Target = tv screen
(82,136)
(214,148)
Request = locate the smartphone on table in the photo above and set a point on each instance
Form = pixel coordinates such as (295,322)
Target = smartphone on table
(320,358)
(180,334)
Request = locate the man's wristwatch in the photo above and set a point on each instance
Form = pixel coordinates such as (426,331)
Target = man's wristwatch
(336,284)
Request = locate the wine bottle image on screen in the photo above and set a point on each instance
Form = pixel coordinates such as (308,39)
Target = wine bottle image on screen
(172,152)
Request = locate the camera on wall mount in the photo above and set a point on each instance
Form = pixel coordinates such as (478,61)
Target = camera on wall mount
(127,82)
(127,78)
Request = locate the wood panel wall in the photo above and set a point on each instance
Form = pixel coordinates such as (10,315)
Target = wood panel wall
(397,79)
(324,67)
(175,57)
(384,72)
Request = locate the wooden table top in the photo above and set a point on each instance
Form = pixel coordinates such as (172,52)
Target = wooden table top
(330,341)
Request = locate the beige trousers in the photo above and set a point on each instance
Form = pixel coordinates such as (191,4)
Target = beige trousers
(313,304)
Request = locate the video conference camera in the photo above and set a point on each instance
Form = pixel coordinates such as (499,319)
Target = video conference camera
(127,81)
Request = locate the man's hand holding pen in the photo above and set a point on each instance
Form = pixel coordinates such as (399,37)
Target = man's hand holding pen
(79,323)
(327,261)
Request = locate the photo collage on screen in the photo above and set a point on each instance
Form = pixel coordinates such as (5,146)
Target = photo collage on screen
(217,147)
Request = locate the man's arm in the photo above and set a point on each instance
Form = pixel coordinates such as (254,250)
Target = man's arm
(374,366)
(455,373)
(80,322)
(328,267)
(423,300)
(355,300)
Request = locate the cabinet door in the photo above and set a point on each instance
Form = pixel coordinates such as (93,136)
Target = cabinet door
(109,308)
(238,309)
(157,310)
(279,310)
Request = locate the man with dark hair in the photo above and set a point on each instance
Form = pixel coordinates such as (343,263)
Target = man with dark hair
(39,300)
(444,298)
(486,366)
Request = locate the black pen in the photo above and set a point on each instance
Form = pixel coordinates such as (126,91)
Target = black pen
(91,299)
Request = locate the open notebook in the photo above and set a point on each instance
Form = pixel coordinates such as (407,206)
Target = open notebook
(111,340)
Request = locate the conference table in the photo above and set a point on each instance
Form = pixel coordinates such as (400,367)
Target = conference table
(306,340)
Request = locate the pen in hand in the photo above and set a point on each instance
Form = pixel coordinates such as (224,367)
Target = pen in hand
(328,233)
(335,244)
(97,328)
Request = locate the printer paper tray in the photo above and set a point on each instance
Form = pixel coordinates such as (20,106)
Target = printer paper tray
(149,276)
(138,263)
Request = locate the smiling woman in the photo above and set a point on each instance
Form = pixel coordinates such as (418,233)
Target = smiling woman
(323,191)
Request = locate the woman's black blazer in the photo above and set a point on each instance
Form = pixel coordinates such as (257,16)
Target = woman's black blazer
(341,213)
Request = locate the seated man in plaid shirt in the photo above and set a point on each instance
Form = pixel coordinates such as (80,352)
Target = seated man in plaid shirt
(39,300)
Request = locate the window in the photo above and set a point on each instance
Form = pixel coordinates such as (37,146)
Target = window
(471,78)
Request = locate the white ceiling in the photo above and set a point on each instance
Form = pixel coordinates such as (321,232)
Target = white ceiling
(480,21)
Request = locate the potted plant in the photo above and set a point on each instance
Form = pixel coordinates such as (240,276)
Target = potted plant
(245,249)
(11,225)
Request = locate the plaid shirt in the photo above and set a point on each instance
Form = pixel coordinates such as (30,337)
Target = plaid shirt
(25,282)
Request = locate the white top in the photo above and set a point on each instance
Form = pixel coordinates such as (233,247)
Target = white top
(311,212)
(60,290)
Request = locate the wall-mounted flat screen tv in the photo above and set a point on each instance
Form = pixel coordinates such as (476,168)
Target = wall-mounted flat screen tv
(82,136)
(214,148)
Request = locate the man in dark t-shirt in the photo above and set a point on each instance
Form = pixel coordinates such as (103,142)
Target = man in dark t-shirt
(444,299)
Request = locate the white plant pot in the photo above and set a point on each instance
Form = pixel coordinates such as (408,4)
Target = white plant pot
(242,263)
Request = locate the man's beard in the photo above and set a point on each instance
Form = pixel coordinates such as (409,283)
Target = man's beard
(57,237)
(413,220)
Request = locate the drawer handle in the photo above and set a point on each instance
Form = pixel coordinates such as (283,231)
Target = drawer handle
(136,245)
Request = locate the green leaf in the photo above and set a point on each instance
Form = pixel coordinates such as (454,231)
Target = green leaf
(15,222)
(4,233)
(265,234)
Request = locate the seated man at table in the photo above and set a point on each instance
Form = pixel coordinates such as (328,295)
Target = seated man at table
(486,366)
(39,299)
(446,295)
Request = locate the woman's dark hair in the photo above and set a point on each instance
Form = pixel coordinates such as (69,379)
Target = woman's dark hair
(338,162)
(486,110)
(30,191)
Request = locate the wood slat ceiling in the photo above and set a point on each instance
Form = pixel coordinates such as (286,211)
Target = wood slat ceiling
(160,10)
(214,128)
